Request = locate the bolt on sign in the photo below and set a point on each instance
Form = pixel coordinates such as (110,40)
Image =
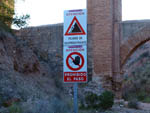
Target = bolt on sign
(75,46)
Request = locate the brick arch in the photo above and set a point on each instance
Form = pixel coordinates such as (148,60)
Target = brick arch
(129,46)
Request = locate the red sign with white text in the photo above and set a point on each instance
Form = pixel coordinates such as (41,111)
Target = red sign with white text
(75,76)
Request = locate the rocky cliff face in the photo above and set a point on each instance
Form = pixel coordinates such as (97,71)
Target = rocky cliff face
(27,81)
(15,55)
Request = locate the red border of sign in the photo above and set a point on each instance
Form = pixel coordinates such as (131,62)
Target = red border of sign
(70,56)
(82,33)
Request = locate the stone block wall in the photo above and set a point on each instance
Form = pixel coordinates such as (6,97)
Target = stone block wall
(129,28)
(47,43)
(104,17)
(100,18)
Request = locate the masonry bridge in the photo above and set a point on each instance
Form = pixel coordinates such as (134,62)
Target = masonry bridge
(111,41)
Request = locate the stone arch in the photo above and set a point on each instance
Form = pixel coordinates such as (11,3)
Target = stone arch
(129,46)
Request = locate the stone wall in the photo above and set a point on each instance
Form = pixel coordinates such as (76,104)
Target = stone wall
(47,43)
(134,34)
(104,17)
(129,28)
(100,18)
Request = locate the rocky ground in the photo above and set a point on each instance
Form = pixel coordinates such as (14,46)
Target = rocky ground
(116,109)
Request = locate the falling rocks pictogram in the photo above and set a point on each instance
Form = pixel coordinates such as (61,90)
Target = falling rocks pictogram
(76,29)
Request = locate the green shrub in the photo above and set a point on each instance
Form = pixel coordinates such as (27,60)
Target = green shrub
(141,96)
(15,108)
(133,104)
(106,100)
(92,100)
(146,99)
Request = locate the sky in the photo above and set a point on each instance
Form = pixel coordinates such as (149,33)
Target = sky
(43,12)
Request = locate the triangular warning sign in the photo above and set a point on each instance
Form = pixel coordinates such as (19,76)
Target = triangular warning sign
(75,28)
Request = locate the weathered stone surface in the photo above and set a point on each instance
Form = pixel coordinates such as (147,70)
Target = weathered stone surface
(129,28)
(25,76)
(133,42)
(104,17)
(47,43)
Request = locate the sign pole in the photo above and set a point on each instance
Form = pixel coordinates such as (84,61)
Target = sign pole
(75,97)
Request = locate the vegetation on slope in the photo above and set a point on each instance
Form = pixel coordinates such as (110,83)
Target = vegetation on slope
(137,75)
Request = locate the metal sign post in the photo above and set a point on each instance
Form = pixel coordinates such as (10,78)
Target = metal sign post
(75,97)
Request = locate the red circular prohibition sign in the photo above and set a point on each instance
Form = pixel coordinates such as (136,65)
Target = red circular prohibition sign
(79,66)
